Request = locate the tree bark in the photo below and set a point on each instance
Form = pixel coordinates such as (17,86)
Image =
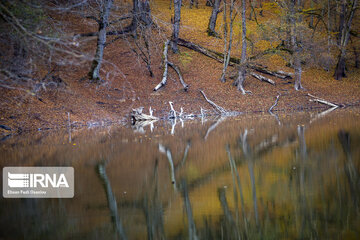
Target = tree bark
(241,78)
(227,49)
(94,73)
(294,44)
(212,21)
(176,26)
(345,35)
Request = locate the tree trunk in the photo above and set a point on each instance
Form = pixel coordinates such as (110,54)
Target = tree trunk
(345,35)
(241,78)
(341,21)
(227,49)
(328,35)
(176,25)
(104,21)
(294,44)
(311,23)
(212,21)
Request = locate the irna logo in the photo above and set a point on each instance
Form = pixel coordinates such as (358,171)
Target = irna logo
(38,182)
(25,180)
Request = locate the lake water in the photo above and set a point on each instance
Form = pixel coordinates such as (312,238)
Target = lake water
(248,177)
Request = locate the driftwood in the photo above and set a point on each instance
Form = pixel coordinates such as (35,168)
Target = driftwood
(319,100)
(220,109)
(262,78)
(137,115)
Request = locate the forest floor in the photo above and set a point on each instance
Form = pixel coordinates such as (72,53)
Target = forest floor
(89,104)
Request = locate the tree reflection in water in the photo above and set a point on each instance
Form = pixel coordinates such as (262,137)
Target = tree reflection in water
(246,179)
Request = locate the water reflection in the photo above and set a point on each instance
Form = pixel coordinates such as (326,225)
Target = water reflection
(243,178)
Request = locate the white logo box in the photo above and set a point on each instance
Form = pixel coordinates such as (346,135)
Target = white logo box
(38,182)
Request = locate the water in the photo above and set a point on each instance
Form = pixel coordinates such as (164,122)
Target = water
(250,177)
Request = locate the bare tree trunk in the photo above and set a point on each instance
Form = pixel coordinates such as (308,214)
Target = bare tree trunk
(212,21)
(329,35)
(341,21)
(176,25)
(241,78)
(294,44)
(227,49)
(345,35)
(222,78)
(94,73)
(311,23)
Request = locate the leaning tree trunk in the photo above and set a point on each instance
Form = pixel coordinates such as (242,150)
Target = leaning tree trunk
(345,35)
(94,73)
(176,25)
(241,78)
(212,21)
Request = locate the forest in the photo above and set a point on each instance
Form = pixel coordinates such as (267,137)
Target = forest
(174,119)
(95,60)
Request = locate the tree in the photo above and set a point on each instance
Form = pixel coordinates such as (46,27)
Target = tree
(242,68)
(345,27)
(141,18)
(33,38)
(213,17)
(295,43)
(227,47)
(176,25)
(105,7)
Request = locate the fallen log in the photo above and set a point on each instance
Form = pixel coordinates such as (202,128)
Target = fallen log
(233,60)
(319,100)
(197,48)
(262,78)
(278,74)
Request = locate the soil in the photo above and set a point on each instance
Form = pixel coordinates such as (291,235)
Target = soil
(88,104)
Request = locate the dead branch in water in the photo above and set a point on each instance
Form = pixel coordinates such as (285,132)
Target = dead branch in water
(220,109)
(319,100)
(137,115)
